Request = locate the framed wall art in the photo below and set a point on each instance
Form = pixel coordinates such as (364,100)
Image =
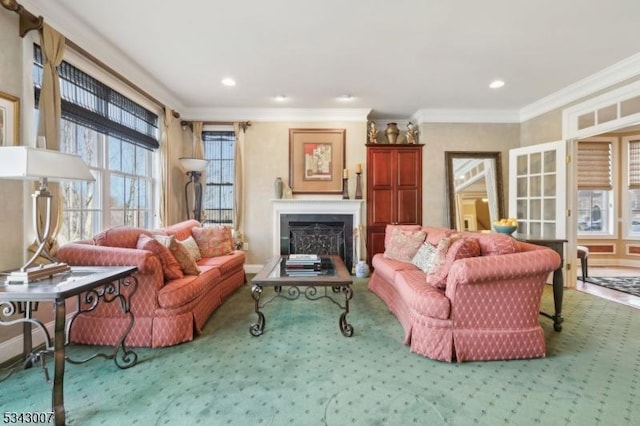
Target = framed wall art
(316,160)
(9,119)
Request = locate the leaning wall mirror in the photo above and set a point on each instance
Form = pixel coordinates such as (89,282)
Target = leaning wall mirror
(474,182)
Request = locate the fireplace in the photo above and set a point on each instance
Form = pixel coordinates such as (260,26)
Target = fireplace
(321,226)
(317,234)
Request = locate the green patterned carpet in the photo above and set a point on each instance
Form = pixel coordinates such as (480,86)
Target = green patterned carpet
(302,371)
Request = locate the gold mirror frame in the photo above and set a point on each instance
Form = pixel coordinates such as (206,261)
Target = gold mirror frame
(450,156)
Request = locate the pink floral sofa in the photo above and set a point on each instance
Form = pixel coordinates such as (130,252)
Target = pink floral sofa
(176,293)
(464,296)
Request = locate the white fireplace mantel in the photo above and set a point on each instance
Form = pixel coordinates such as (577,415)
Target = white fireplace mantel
(311,206)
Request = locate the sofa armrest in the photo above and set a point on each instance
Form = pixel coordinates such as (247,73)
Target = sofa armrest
(507,267)
(79,254)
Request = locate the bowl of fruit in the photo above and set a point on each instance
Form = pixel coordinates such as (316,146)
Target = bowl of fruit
(505,226)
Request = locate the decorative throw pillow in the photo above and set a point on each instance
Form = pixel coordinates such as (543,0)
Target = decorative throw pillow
(187,263)
(449,250)
(424,257)
(170,266)
(192,247)
(213,240)
(497,244)
(403,245)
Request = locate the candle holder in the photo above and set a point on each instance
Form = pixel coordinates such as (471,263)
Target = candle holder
(358,187)
(345,188)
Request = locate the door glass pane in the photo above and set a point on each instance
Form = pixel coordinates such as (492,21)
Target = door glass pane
(549,185)
(535,189)
(549,211)
(522,208)
(536,163)
(534,210)
(522,187)
(535,228)
(549,229)
(549,161)
(523,166)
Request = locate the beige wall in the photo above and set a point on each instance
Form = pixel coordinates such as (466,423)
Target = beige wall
(441,137)
(11,202)
(267,157)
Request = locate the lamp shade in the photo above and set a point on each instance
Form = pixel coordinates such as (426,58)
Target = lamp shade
(193,164)
(27,163)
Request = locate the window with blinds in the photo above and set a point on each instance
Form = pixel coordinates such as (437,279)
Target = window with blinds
(634,164)
(117,138)
(595,161)
(632,216)
(219,149)
(595,188)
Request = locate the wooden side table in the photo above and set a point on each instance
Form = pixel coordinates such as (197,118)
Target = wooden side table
(557,245)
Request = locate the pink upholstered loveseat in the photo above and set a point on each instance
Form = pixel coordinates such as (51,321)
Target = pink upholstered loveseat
(483,303)
(166,312)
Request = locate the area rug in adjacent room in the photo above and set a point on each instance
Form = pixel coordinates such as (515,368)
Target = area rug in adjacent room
(630,285)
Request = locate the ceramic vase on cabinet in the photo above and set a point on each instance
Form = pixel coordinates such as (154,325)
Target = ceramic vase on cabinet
(392,132)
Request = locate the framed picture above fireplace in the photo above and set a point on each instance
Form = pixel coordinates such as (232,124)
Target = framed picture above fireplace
(316,160)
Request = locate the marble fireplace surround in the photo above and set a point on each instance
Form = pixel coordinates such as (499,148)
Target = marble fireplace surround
(313,208)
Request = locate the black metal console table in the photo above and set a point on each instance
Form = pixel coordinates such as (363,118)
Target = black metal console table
(18,302)
(334,275)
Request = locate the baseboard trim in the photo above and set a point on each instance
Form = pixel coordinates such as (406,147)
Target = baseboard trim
(12,348)
(252,269)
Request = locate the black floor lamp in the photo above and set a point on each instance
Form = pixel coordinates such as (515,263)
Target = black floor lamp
(194,168)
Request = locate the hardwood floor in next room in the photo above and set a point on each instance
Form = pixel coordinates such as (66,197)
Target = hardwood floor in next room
(608,271)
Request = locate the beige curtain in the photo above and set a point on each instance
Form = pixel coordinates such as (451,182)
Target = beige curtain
(165,187)
(50,105)
(50,113)
(238,186)
(198,144)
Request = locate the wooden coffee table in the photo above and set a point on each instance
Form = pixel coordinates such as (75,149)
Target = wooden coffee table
(334,278)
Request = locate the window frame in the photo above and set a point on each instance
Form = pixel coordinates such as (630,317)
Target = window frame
(206,183)
(614,196)
(624,189)
(101,172)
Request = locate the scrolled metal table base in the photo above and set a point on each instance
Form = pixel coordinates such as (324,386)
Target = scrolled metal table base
(310,292)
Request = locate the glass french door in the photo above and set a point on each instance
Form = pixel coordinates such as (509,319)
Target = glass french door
(537,189)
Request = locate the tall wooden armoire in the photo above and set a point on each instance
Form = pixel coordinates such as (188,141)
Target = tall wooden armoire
(394,190)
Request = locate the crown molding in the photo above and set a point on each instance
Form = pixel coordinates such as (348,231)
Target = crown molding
(277,114)
(75,29)
(466,116)
(67,23)
(614,74)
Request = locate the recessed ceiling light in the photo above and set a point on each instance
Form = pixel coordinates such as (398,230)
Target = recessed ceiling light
(495,84)
(228,81)
(346,98)
(280,98)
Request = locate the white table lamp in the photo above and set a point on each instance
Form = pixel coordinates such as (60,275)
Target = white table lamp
(43,165)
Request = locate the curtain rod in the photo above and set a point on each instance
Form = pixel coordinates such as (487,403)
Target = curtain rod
(29,21)
(243,124)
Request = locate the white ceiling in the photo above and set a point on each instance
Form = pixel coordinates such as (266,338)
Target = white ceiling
(395,57)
